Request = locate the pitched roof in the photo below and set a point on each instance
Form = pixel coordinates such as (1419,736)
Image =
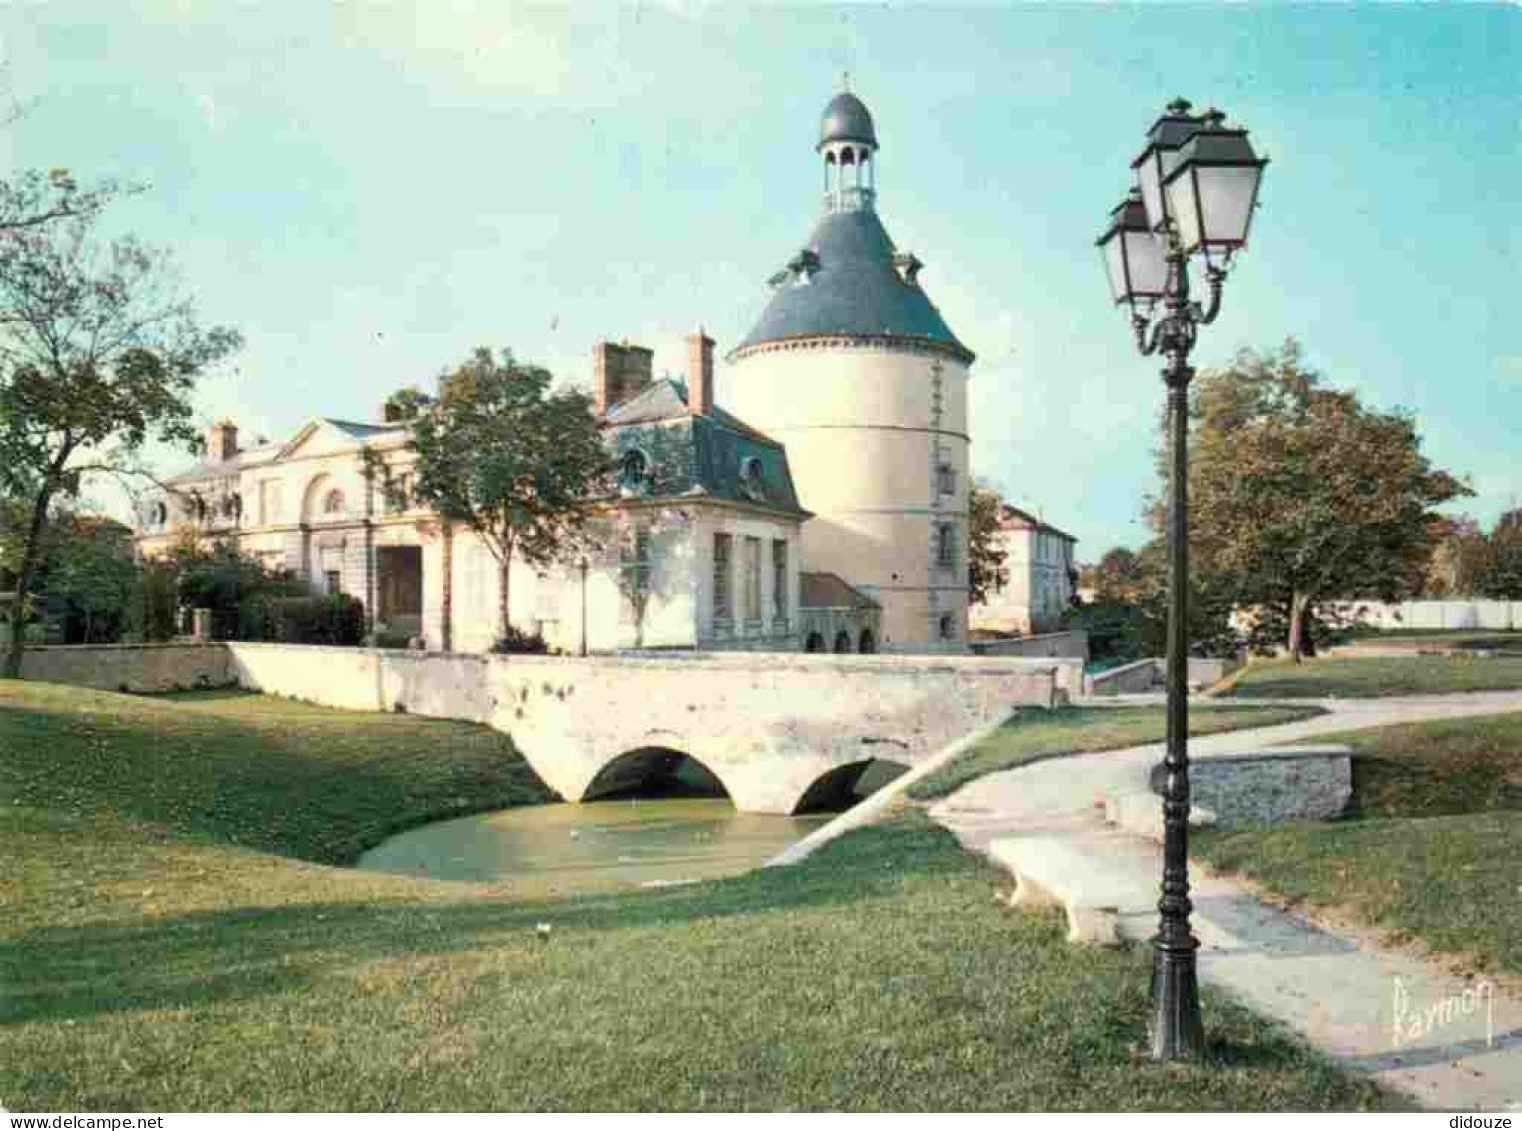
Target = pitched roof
(831,591)
(854,287)
(1013,518)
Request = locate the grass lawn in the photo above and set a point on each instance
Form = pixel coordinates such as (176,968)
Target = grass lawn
(1373,677)
(1367,635)
(1031,735)
(162,947)
(1431,845)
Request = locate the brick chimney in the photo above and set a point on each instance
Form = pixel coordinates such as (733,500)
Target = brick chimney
(619,372)
(222,441)
(699,373)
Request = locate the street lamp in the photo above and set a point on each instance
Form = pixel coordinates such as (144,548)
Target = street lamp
(1197,188)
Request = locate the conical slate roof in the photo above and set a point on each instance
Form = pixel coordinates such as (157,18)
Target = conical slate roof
(854,288)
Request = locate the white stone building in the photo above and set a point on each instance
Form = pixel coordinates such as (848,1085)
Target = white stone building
(1038,584)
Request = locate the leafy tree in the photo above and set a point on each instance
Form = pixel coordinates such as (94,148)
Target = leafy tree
(1119,575)
(985,549)
(98,355)
(1499,574)
(91,579)
(1301,494)
(501,453)
(1458,559)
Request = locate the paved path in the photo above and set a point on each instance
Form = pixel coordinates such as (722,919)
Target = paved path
(1342,998)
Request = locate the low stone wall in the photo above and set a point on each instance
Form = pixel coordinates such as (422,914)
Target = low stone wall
(129,667)
(1050,645)
(447,685)
(1152,675)
(1290,783)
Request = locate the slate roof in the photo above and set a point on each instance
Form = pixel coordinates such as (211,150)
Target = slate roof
(211,469)
(831,591)
(846,118)
(855,289)
(1013,518)
(699,456)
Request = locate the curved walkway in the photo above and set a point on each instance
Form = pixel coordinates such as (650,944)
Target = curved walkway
(1342,996)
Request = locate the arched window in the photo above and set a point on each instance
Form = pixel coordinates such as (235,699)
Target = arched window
(815,643)
(868,642)
(948,627)
(333,504)
(197,508)
(842,641)
(634,472)
(752,483)
(158,514)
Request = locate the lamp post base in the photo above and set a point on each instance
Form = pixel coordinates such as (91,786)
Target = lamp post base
(1175,1031)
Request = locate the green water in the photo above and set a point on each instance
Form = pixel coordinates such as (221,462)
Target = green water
(559,850)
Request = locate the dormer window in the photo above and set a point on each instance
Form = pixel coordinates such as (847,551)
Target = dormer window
(909,267)
(751,481)
(634,473)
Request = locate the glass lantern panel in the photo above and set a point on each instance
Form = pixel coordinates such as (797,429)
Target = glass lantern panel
(1181,205)
(1149,268)
(1226,196)
(1115,268)
(1149,176)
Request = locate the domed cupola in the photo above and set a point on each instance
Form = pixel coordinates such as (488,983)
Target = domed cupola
(846,118)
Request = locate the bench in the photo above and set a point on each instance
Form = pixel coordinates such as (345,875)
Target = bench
(1049,871)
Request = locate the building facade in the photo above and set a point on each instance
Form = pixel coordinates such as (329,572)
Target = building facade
(853,368)
(1037,589)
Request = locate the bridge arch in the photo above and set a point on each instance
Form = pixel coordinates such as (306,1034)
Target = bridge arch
(843,786)
(654,768)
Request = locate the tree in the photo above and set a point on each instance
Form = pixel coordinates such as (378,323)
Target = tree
(1499,574)
(1303,495)
(1119,575)
(98,355)
(985,549)
(516,463)
(1458,558)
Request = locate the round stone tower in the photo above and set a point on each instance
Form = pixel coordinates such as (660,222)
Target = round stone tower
(853,368)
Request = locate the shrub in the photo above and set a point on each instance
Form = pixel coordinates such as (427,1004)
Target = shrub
(334,619)
(524,643)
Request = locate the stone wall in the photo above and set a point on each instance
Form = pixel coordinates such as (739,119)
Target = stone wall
(1299,783)
(1068,645)
(1152,675)
(129,667)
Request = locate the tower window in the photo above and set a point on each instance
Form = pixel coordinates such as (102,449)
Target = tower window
(946,479)
(948,628)
(946,545)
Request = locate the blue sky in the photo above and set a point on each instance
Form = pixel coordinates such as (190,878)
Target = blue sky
(369,189)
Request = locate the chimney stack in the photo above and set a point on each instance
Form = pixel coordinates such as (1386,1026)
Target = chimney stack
(619,372)
(699,373)
(222,441)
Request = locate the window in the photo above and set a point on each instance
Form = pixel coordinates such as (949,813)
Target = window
(158,514)
(334,503)
(269,502)
(722,608)
(335,580)
(946,545)
(948,627)
(634,473)
(751,481)
(753,579)
(779,579)
(634,555)
(397,495)
(232,506)
(946,479)
(197,508)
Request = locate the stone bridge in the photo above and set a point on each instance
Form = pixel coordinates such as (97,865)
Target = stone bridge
(780,733)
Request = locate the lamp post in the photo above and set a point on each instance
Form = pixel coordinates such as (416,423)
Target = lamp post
(1197,188)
